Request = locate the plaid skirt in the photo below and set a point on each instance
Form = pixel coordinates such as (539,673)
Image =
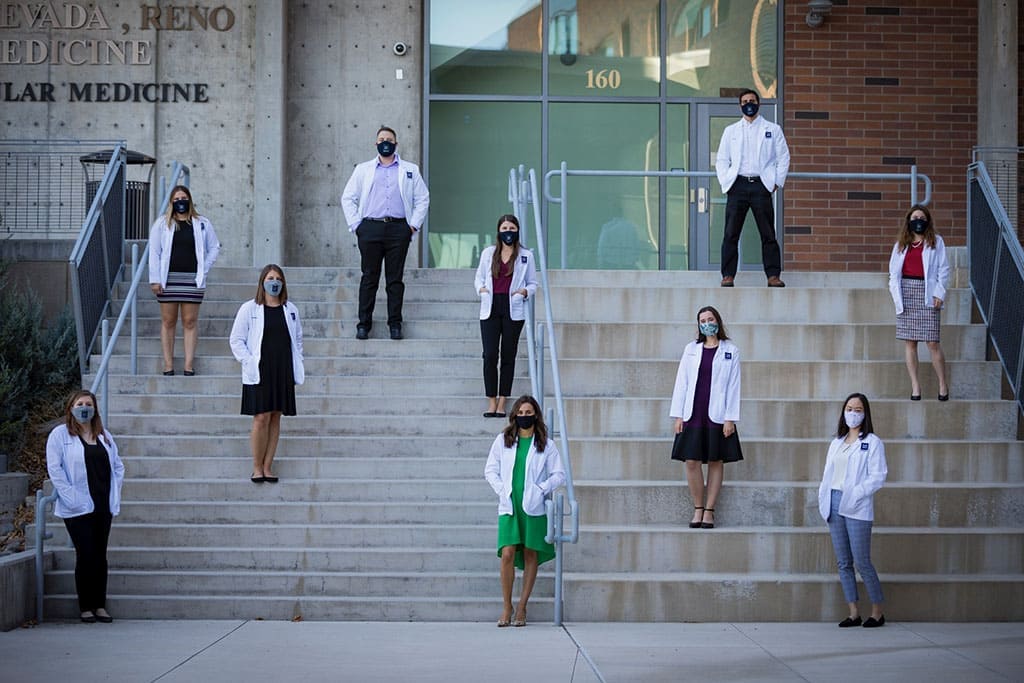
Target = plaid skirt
(181,289)
(919,320)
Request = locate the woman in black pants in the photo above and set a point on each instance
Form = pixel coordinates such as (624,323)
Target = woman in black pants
(505,279)
(82,461)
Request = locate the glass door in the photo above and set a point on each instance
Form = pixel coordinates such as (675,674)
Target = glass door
(707,201)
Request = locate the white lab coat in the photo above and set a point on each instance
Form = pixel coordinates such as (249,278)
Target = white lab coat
(865,474)
(936,273)
(725,382)
(161,237)
(415,196)
(65,464)
(247,339)
(524,276)
(772,154)
(544,474)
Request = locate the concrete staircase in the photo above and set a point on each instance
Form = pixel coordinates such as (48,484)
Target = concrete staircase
(948,542)
(382,512)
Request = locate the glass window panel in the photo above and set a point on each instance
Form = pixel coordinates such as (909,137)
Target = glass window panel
(472,147)
(604,48)
(612,222)
(677,209)
(716,44)
(485,47)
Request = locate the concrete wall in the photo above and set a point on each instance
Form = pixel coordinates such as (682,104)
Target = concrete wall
(18,588)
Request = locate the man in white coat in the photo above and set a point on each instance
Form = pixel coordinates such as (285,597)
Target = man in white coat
(385,203)
(752,162)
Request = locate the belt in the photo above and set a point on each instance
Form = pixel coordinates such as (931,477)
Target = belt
(388,219)
(751,178)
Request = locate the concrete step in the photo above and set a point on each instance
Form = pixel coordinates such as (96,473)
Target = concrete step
(237,292)
(787,504)
(455,309)
(309,608)
(124,388)
(349,347)
(354,467)
(785,596)
(360,424)
(796,306)
(313,446)
(788,459)
(219,328)
(454,491)
(390,584)
(190,511)
(799,550)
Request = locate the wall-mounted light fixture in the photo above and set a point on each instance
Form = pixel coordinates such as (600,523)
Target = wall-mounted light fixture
(817,10)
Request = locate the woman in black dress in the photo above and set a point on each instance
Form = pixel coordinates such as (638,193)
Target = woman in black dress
(182,249)
(267,340)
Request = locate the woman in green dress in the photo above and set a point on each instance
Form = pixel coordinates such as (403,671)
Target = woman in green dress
(523,468)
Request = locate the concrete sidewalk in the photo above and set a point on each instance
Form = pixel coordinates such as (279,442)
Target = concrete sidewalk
(255,651)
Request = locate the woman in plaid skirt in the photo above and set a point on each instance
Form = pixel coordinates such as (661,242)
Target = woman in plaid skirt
(918,273)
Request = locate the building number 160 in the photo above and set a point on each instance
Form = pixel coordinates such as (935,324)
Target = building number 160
(605,78)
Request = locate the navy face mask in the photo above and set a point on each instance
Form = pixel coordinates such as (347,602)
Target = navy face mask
(386,148)
(509,237)
(919,225)
(750,108)
(181,206)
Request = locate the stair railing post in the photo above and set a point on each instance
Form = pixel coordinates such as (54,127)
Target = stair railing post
(135,314)
(105,384)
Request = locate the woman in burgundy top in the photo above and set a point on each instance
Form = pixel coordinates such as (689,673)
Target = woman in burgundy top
(918,273)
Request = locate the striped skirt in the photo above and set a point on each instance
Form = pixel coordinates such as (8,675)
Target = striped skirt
(919,320)
(181,289)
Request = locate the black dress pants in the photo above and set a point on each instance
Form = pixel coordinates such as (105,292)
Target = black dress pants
(89,534)
(387,243)
(745,195)
(500,336)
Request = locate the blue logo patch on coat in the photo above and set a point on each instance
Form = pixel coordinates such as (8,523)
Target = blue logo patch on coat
(293,315)
(864,445)
(408,174)
(522,259)
(728,355)
(767,133)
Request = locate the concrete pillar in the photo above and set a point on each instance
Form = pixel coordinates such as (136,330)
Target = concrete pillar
(998,79)
(271,34)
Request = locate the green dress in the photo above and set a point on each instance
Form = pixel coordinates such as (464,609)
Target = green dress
(520,529)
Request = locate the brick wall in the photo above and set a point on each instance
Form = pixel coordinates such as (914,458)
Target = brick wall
(881,85)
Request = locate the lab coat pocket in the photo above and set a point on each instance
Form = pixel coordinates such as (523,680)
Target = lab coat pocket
(485,305)
(250,371)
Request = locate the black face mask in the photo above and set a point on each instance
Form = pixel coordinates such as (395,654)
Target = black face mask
(386,148)
(181,206)
(526,421)
(919,225)
(750,108)
(509,237)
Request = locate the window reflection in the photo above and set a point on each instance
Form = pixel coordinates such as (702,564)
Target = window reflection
(721,44)
(490,47)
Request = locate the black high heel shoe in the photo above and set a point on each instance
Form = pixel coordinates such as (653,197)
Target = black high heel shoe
(696,525)
(707,525)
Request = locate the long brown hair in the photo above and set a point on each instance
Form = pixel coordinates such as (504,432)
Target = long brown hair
(96,424)
(496,259)
(540,430)
(907,235)
(169,215)
(261,294)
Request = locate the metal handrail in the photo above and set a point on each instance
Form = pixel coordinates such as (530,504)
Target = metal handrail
(1008,254)
(41,534)
(140,265)
(523,191)
(563,173)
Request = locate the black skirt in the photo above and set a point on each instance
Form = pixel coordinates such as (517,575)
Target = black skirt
(706,444)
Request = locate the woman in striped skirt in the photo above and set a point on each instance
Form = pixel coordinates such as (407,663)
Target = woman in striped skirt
(918,273)
(182,249)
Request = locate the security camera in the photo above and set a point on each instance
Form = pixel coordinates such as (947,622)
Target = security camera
(400,49)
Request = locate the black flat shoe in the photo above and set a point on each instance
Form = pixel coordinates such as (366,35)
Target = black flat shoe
(915,397)
(943,397)
(168,373)
(257,480)
(189,373)
(707,525)
(696,525)
(874,623)
(104,619)
(270,480)
(88,618)
(849,621)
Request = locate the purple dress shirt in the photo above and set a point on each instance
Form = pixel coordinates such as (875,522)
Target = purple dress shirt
(385,199)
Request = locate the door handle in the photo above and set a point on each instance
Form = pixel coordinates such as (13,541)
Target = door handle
(702,200)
